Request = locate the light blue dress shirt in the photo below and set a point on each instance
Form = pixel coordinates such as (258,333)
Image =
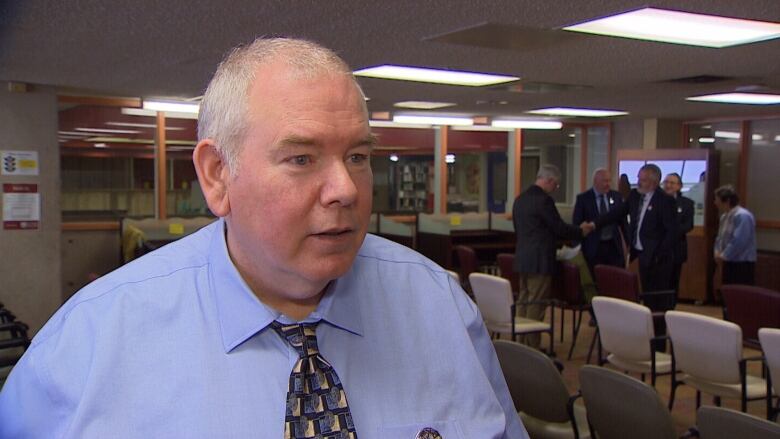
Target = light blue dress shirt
(737,236)
(175,345)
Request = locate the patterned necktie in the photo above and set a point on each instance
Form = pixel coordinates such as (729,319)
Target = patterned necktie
(316,402)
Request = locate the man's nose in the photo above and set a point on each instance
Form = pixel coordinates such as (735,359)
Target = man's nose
(338,186)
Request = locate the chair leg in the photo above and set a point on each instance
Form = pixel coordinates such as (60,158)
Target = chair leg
(592,345)
(575,331)
(563,315)
(671,395)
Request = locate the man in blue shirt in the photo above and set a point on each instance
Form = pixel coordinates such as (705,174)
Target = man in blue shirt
(185,342)
(735,246)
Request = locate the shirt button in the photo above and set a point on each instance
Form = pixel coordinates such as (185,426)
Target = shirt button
(428,433)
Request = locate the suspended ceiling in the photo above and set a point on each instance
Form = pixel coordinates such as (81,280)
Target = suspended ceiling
(151,48)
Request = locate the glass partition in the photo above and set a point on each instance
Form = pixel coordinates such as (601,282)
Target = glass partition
(445,224)
(723,137)
(561,148)
(598,149)
(763,159)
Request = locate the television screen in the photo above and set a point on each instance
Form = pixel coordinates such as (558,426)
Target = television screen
(631,169)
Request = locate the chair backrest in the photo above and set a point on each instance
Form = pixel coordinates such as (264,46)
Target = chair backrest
(617,282)
(571,285)
(705,347)
(493,296)
(770,344)
(722,423)
(506,265)
(751,308)
(534,382)
(467,260)
(620,406)
(625,327)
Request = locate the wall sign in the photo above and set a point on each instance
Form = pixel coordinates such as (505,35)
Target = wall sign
(19,162)
(21,206)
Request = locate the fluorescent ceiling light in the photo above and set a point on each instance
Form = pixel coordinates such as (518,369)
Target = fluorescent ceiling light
(100,145)
(434,120)
(482,128)
(423,105)
(727,134)
(582,112)
(528,124)
(149,113)
(391,124)
(73,133)
(735,135)
(139,141)
(680,28)
(739,98)
(141,125)
(706,140)
(436,76)
(107,131)
(393,157)
(176,107)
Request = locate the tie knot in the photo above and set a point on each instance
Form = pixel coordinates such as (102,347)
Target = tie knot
(301,336)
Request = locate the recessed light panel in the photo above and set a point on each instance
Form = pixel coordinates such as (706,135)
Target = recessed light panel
(528,124)
(434,120)
(176,107)
(680,28)
(423,105)
(577,112)
(435,76)
(739,98)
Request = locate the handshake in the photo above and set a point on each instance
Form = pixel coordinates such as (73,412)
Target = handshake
(587,228)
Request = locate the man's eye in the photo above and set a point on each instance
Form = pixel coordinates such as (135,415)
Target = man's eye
(300,160)
(358,158)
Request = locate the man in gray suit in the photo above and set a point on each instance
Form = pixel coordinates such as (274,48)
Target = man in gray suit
(539,228)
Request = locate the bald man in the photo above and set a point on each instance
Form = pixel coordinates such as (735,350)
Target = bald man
(605,246)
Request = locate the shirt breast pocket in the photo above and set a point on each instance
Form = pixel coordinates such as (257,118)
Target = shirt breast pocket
(423,430)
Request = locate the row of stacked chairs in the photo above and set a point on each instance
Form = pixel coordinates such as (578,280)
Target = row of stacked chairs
(14,340)
(616,405)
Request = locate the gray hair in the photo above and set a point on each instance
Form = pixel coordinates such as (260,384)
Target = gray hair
(549,171)
(224,110)
(597,171)
(652,169)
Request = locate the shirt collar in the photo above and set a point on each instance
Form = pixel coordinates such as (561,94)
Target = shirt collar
(241,314)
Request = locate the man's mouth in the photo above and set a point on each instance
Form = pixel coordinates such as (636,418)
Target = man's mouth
(335,232)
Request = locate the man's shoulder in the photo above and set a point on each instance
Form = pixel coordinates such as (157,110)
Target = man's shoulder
(147,282)
(385,251)
(583,196)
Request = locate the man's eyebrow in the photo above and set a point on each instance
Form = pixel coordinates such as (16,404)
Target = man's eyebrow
(295,140)
(371,141)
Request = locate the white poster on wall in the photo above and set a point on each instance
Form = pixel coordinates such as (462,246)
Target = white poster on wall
(19,162)
(21,206)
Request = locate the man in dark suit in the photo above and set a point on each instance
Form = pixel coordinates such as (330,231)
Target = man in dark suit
(652,229)
(652,235)
(539,227)
(606,246)
(684,216)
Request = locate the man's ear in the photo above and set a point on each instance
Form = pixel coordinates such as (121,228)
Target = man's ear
(213,175)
